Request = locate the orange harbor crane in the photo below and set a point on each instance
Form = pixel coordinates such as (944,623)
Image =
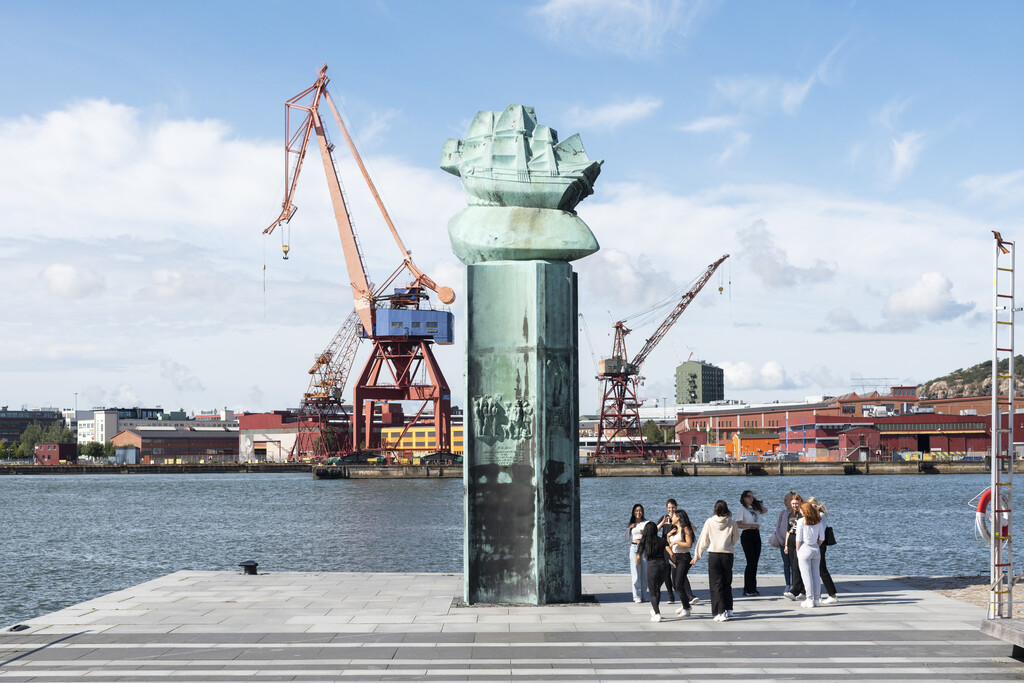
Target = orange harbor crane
(620,408)
(400,327)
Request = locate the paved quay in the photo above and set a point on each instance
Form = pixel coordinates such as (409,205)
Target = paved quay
(225,626)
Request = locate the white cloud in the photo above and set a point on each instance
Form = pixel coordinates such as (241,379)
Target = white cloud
(162,243)
(1005,188)
(180,376)
(634,28)
(124,396)
(892,110)
(70,282)
(906,150)
(771,264)
(710,124)
(770,93)
(612,115)
(842,320)
(742,375)
(738,143)
(930,297)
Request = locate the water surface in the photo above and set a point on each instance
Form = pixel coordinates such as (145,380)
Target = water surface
(71,538)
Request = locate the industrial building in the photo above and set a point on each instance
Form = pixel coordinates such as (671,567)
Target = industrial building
(176,446)
(104,423)
(699,382)
(14,422)
(277,436)
(848,427)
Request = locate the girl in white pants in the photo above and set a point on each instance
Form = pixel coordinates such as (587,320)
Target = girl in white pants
(810,534)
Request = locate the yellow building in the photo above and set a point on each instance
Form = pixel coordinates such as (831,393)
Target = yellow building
(419,439)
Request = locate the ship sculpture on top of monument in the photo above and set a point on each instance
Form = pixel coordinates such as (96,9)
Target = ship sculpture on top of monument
(503,151)
(521,467)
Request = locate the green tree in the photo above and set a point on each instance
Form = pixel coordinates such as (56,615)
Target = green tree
(108,450)
(54,433)
(651,432)
(93,450)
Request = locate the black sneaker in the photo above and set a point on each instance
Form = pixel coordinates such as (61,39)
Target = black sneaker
(752,593)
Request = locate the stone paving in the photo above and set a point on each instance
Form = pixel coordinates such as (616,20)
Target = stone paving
(225,626)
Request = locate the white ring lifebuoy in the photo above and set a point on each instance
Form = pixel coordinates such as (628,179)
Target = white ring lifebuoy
(981,516)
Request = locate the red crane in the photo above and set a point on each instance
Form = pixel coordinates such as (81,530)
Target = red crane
(620,409)
(400,326)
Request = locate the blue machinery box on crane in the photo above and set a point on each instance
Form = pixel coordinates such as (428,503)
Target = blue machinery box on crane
(399,322)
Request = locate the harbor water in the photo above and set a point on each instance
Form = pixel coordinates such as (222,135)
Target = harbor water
(72,538)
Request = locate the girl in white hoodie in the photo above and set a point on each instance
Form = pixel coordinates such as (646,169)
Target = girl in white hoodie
(719,537)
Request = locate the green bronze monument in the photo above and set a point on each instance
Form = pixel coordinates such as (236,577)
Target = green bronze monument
(521,453)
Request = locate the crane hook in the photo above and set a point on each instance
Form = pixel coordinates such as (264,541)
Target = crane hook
(285,248)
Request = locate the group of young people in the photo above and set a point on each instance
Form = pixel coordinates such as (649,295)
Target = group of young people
(662,552)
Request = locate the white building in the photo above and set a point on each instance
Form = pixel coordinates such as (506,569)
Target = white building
(101,425)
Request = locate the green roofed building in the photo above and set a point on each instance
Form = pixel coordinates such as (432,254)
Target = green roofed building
(699,382)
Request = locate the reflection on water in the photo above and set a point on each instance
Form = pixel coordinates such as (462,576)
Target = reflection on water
(72,538)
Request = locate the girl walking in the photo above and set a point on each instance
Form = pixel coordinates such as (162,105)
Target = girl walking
(681,538)
(749,522)
(718,537)
(654,549)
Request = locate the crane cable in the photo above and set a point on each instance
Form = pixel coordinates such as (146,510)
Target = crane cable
(586,333)
(653,312)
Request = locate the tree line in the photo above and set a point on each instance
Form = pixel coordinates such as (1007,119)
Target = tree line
(24,448)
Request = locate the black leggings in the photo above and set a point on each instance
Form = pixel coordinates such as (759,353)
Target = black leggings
(720,581)
(657,570)
(826,578)
(679,578)
(798,581)
(750,539)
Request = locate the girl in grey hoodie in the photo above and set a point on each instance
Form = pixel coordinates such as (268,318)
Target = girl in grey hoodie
(719,537)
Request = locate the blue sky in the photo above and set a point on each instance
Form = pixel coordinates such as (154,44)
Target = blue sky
(852,157)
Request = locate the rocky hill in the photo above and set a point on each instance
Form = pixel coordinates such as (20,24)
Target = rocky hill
(973,381)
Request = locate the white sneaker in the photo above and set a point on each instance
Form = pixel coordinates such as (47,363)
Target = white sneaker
(807,603)
(653,613)
(789,596)
(725,616)
(729,613)
(683,612)
(694,600)
(719,617)
(830,600)
(671,602)
(637,600)
(656,617)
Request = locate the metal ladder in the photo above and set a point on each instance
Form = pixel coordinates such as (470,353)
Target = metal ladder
(1001,544)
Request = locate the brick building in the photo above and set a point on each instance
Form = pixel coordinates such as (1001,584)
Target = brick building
(176,446)
(56,453)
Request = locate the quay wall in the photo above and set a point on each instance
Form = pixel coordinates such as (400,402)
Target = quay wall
(213,468)
(668,469)
(708,469)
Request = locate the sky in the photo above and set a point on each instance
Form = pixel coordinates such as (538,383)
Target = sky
(851,157)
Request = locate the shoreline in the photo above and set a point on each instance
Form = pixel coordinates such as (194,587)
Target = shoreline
(587,470)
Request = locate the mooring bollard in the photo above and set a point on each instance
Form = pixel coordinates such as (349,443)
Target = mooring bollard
(249,567)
